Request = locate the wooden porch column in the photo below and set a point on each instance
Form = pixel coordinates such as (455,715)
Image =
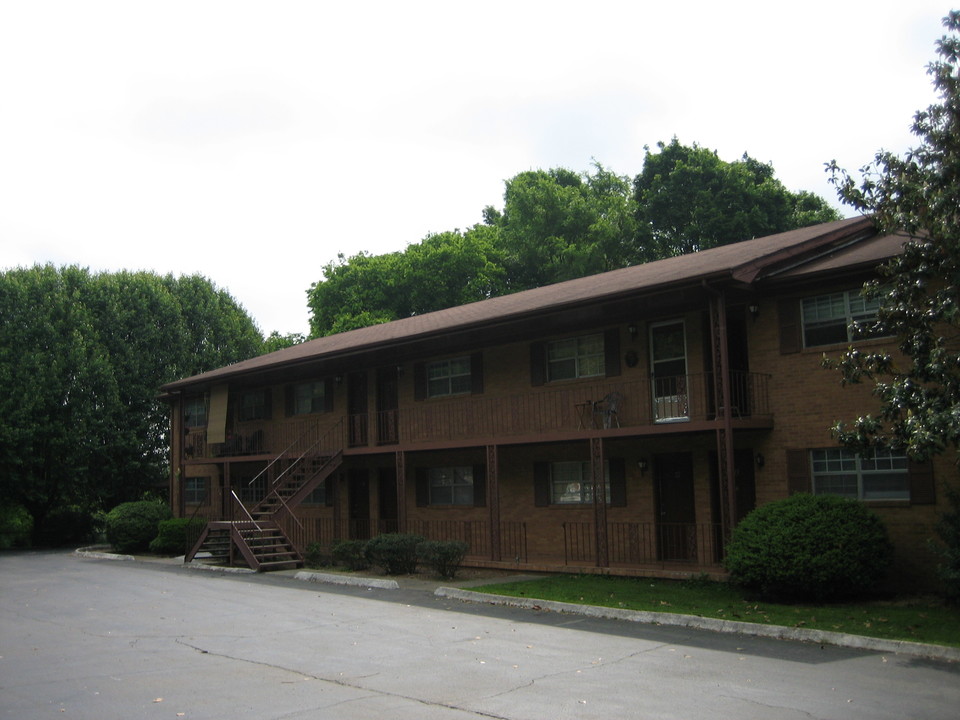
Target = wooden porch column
(493,500)
(401,462)
(598,478)
(721,384)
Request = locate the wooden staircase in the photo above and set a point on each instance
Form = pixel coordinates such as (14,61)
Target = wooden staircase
(259,540)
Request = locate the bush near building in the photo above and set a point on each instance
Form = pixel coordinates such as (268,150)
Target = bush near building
(131,526)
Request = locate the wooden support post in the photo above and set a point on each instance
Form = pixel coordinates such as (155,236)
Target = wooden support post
(493,500)
(599,481)
(401,462)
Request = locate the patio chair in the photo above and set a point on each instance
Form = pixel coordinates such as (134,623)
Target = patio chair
(609,408)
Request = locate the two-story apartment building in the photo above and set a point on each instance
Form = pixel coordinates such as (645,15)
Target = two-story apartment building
(620,423)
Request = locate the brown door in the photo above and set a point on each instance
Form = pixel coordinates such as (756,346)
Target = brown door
(357,409)
(389,510)
(676,519)
(358,503)
(387,404)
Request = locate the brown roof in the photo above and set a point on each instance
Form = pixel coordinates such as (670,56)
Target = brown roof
(741,262)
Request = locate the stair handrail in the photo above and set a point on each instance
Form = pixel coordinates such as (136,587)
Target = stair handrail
(286,450)
(245,512)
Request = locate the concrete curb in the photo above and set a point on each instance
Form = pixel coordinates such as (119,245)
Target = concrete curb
(777,632)
(97,552)
(335,579)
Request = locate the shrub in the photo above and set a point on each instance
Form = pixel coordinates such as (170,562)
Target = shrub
(174,536)
(315,556)
(69,526)
(351,554)
(395,553)
(948,528)
(16,524)
(442,556)
(131,526)
(816,548)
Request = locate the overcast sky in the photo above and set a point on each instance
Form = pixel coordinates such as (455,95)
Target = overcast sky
(252,142)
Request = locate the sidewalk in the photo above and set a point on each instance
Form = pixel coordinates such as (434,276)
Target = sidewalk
(460,589)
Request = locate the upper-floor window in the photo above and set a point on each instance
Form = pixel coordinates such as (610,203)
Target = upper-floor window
(195,411)
(838,471)
(451,485)
(254,405)
(575,357)
(449,377)
(309,397)
(827,318)
(571,483)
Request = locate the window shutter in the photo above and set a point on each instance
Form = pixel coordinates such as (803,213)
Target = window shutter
(476,373)
(288,395)
(790,329)
(611,351)
(538,363)
(328,394)
(423,487)
(922,486)
(541,484)
(479,485)
(618,482)
(798,472)
(329,489)
(419,381)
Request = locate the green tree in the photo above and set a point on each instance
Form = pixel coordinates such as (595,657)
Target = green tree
(81,359)
(919,291)
(275,341)
(688,199)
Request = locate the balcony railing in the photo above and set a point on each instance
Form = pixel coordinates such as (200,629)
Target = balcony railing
(635,543)
(568,408)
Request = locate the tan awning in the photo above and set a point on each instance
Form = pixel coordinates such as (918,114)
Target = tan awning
(217,423)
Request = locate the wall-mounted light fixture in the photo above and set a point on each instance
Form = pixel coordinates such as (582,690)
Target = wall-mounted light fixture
(760,460)
(632,329)
(642,464)
(754,309)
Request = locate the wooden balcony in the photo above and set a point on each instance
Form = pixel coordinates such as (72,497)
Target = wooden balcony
(645,407)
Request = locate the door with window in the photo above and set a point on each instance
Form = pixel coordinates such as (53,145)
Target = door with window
(676,517)
(668,370)
(358,503)
(387,406)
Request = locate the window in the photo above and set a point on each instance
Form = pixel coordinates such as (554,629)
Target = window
(449,377)
(668,366)
(575,357)
(253,490)
(255,405)
(309,398)
(571,484)
(195,411)
(194,491)
(838,471)
(827,318)
(318,496)
(451,485)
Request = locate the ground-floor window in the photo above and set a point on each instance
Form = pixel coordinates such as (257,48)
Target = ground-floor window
(317,496)
(195,490)
(253,489)
(882,476)
(571,483)
(451,485)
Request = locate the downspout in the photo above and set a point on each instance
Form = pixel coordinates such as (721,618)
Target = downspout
(725,457)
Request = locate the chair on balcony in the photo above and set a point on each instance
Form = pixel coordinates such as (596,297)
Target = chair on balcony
(609,409)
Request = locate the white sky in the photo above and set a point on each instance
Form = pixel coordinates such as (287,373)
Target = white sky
(253,141)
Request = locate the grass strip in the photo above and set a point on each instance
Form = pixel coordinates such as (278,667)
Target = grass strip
(922,619)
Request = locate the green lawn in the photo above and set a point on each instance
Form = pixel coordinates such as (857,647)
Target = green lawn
(922,620)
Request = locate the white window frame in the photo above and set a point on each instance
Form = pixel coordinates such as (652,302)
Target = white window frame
(838,471)
(831,310)
(448,377)
(571,483)
(576,357)
(452,485)
(309,398)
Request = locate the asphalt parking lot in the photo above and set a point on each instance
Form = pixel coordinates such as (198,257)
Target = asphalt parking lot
(90,638)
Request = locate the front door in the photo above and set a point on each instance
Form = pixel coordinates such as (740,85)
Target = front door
(357,409)
(676,518)
(388,403)
(358,503)
(389,509)
(668,368)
